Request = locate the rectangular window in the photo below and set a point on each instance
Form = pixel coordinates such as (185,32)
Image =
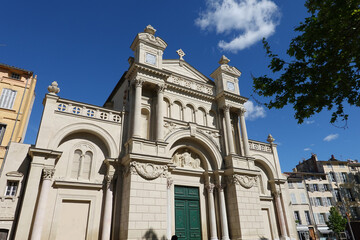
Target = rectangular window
(307,216)
(15,76)
(343,177)
(303,198)
(2,132)
(291,185)
(293,198)
(318,201)
(354,213)
(326,187)
(328,201)
(7,98)
(349,194)
(297,217)
(332,177)
(11,188)
(337,195)
(316,188)
(300,185)
(321,218)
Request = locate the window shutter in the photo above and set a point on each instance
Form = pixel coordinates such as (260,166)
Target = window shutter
(338,177)
(321,187)
(311,188)
(324,201)
(7,98)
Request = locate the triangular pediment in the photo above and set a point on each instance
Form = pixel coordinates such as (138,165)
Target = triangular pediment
(183,68)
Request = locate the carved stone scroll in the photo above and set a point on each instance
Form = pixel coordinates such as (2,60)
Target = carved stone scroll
(245,181)
(148,171)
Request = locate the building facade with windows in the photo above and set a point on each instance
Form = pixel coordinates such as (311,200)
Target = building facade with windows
(17,94)
(327,183)
(168,153)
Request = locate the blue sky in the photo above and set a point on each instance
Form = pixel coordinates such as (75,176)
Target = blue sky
(84,46)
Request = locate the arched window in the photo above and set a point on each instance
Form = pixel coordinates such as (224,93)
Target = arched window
(201,117)
(166,108)
(81,167)
(189,113)
(177,110)
(145,123)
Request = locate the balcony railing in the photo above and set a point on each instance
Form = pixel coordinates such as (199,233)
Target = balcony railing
(259,146)
(85,110)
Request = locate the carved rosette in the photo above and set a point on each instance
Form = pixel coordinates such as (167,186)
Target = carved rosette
(245,181)
(148,171)
(48,173)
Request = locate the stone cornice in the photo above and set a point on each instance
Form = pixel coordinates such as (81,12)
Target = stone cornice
(44,153)
(136,67)
(231,96)
(189,91)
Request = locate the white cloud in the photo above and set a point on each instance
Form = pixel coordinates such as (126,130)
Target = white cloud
(309,121)
(253,112)
(251,20)
(331,137)
(307,149)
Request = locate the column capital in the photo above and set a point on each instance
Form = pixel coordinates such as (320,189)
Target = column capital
(242,111)
(210,187)
(276,193)
(160,88)
(48,173)
(138,82)
(170,182)
(226,108)
(220,186)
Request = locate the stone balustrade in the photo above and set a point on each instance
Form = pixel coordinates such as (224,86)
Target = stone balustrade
(259,146)
(87,110)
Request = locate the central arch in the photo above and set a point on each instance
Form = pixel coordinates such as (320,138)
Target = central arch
(200,143)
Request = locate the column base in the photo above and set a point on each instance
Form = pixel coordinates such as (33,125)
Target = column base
(225,238)
(214,238)
(284,238)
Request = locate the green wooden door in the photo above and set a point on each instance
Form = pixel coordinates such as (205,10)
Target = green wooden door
(187,213)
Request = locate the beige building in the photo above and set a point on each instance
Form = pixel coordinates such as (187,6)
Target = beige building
(16,99)
(315,186)
(167,154)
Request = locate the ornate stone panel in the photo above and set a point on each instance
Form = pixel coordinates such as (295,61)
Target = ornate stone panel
(148,171)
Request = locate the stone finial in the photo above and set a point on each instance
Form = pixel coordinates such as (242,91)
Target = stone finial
(224,60)
(181,53)
(270,139)
(149,29)
(53,88)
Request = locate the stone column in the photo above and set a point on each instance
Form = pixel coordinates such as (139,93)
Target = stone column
(47,175)
(244,132)
(229,129)
(169,215)
(213,230)
(137,108)
(106,226)
(160,113)
(223,215)
(280,214)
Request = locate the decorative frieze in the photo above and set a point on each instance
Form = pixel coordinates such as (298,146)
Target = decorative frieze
(258,146)
(148,171)
(191,85)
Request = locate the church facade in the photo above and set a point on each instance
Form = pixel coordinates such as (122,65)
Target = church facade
(167,154)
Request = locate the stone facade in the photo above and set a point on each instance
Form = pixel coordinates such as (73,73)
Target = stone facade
(168,153)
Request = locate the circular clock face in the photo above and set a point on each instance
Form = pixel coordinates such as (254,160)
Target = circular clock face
(230,86)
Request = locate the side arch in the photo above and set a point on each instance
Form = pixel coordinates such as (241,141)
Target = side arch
(266,164)
(202,140)
(88,128)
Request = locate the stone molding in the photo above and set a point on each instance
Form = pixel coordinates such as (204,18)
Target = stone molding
(148,171)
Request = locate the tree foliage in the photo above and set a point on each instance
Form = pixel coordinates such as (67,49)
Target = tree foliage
(336,222)
(323,71)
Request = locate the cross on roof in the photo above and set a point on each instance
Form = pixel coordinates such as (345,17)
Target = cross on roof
(181,53)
